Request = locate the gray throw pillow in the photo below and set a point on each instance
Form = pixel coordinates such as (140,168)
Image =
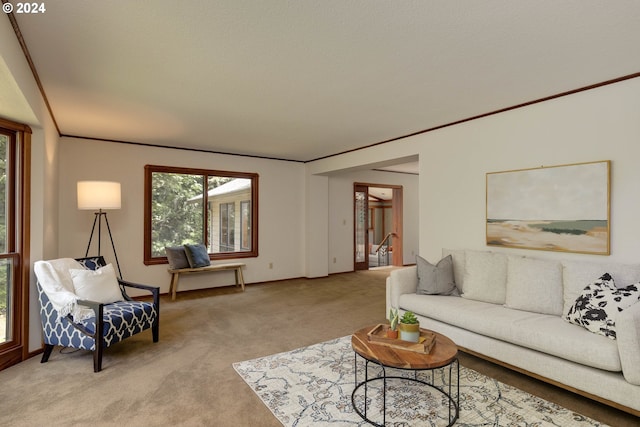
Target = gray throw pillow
(177,257)
(197,255)
(436,279)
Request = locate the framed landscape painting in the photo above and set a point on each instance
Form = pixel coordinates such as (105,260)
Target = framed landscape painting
(557,208)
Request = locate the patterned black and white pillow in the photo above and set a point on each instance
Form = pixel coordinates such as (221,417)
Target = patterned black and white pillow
(599,304)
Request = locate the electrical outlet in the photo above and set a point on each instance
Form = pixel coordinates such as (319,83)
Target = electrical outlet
(334,260)
(270,266)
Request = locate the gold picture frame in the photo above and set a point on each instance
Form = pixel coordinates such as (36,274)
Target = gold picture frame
(562,208)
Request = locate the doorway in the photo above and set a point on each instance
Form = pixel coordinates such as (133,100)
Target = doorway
(377,225)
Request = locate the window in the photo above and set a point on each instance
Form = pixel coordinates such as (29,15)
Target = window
(14,219)
(199,206)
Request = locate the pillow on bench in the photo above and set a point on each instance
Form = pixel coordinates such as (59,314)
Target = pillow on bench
(187,256)
(197,255)
(177,257)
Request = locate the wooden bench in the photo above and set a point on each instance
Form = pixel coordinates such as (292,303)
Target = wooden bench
(175,274)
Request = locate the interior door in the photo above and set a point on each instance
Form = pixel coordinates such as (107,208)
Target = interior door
(361,227)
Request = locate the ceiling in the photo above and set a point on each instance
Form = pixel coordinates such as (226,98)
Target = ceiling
(301,80)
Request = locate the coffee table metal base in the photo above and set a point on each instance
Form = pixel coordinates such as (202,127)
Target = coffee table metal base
(454,404)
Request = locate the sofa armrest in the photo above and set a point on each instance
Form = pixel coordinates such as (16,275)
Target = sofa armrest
(628,336)
(401,281)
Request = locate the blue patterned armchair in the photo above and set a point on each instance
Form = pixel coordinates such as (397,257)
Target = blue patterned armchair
(70,321)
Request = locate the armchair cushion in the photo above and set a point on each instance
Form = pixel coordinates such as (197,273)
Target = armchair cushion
(99,285)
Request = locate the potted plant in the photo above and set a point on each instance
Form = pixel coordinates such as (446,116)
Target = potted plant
(409,327)
(392,332)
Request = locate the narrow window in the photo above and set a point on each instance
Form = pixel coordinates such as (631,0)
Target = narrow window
(227,227)
(245,225)
(14,232)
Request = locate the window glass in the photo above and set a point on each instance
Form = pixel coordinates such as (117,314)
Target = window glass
(5,264)
(227,227)
(245,225)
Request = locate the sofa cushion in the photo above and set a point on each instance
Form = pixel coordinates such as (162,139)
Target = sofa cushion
(576,275)
(599,304)
(534,285)
(458,266)
(485,277)
(542,332)
(436,279)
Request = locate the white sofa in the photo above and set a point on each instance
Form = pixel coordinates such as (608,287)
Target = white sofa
(512,309)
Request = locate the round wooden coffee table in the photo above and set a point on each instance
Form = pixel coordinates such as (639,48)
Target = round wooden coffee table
(443,355)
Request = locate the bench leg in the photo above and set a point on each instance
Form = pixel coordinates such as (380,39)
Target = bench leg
(174,285)
(239,278)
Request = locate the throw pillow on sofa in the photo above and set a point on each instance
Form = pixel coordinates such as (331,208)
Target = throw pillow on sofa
(534,285)
(436,279)
(597,307)
(485,277)
(578,274)
(458,266)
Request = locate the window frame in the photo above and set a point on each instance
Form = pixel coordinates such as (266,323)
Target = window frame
(149,170)
(17,250)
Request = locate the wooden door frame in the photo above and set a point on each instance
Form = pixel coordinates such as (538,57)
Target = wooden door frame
(357,188)
(397,223)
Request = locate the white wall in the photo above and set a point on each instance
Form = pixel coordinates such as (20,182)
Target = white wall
(600,124)
(316,237)
(340,226)
(280,209)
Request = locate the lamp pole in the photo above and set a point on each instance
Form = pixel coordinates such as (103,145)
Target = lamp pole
(98,218)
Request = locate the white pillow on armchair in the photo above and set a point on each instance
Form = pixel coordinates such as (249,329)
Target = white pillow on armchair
(99,285)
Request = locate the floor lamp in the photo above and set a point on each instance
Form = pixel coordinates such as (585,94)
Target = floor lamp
(100,195)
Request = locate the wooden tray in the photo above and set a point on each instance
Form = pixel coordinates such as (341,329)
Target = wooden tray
(378,335)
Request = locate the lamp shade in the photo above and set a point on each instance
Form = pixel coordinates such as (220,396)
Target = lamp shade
(98,195)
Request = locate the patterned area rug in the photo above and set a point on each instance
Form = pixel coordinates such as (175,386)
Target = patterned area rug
(312,386)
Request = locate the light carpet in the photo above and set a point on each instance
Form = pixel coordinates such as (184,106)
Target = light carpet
(312,386)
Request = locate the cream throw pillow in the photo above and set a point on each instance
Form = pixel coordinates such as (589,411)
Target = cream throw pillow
(534,285)
(485,277)
(99,285)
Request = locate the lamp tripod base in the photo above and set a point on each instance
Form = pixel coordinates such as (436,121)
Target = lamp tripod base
(98,219)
